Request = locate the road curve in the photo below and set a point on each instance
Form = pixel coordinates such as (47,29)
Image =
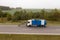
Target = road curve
(22,29)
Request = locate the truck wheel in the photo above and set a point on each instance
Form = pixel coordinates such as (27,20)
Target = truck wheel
(44,26)
(38,25)
(29,26)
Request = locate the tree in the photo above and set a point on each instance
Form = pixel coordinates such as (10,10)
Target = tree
(20,15)
(1,13)
(36,15)
(55,15)
(8,16)
(4,8)
(43,13)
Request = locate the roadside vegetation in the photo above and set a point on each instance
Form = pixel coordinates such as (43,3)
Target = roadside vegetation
(28,37)
(18,15)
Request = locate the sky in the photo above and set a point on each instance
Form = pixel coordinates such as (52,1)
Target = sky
(48,4)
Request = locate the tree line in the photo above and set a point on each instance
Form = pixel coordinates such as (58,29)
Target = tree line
(53,15)
(5,8)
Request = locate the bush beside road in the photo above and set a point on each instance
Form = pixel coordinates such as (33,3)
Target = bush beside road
(52,15)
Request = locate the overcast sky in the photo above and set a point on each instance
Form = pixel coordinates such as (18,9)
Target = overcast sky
(31,3)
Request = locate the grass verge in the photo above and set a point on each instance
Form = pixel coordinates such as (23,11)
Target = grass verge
(28,37)
(53,23)
(49,23)
(13,23)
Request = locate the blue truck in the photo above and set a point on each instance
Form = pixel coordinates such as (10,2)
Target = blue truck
(38,23)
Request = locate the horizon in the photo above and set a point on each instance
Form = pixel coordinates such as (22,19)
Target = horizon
(29,8)
(31,4)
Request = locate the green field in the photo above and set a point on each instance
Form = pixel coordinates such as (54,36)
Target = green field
(28,37)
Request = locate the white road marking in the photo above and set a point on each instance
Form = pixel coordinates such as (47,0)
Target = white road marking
(30,33)
(27,29)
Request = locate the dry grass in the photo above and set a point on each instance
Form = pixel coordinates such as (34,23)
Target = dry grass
(53,23)
(28,37)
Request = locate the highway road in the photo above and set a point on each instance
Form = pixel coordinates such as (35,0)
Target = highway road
(22,29)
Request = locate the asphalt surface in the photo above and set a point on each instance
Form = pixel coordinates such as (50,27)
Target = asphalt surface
(15,29)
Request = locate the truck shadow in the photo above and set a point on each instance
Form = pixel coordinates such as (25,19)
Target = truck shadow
(37,27)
